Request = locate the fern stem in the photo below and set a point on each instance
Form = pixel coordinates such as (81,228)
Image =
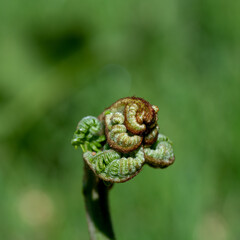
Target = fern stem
(96,204)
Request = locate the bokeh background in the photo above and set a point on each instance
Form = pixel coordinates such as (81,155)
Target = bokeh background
(62,60)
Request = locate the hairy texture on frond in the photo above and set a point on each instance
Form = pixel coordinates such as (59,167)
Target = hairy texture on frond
(152,136)
(113,166)
(161,153)
(127,121)
(89,134)
(117,136)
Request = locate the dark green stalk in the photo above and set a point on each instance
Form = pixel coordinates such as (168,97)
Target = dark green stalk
(96,203)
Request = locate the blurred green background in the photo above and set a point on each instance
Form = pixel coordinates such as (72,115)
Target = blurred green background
(62,60)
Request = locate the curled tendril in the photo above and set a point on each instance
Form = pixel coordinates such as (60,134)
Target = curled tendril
(117,136)
(131,139)
(161,153)
(113,166)
(127,121)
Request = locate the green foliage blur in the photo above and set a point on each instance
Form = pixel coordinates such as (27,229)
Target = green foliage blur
(63,60)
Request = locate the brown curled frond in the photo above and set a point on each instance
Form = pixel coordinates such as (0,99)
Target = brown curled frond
(127,121)
(118,137)
(139,114)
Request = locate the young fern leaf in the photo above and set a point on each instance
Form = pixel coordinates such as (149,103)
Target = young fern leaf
(89,134)
(160,154)
(132,136)
(113,166)
(127,121)
(117,135)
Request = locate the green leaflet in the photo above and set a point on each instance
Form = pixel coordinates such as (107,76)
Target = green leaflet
(89,134)
(160,154)
(113,166)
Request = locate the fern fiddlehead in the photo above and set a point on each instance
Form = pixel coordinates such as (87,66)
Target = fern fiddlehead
(117,144)
(129,124)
